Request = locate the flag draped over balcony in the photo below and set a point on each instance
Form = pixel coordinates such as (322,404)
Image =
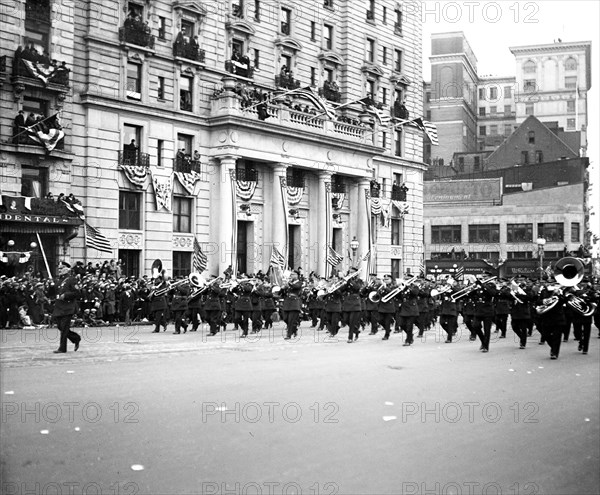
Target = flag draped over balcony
(38,70)
(308,94)
(427,127)
(188,180)
(50,139)
(163,190)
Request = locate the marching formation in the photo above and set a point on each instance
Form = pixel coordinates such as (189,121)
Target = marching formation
(251,304)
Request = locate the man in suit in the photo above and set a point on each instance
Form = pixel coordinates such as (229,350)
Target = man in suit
(65,307)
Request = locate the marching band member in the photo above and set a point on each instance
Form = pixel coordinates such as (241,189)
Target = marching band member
(179,307)
(65,307)
(502,310)
(582,324)
(195,311)
(520,314)
(213,307)
(449,315)
(468,314)
(243,306)
(371,308)
(158,304)
(423,318)
(268,303)
(484,313)
(316,306)
(292,305)
(333,309)
(553,320)
(256,296)
(387,310)
(409,311)
(351,306)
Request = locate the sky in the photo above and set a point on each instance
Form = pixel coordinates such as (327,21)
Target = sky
(492,27)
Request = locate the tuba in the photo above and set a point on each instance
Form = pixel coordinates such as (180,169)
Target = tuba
(568,272)
(581,305)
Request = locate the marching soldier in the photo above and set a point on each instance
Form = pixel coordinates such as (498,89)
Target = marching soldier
(372,308)
(351,306)
(333,309)
(268,304)
(484,313)
(387,309)
(468,313)
(158,304)
(65,307)
(520,314)
(179,307)
(409,312)
(243,306)
(292,305)
(582,323)
(213,307)
(551,310)
(502,310)
(449,315)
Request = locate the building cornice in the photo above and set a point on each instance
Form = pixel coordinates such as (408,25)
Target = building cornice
(555,47)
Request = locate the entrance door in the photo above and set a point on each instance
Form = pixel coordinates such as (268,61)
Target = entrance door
(242,247)
(295,247)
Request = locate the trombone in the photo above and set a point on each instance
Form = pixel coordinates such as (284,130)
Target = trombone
(470,288)
(340,283)
(401,288)
(194,279)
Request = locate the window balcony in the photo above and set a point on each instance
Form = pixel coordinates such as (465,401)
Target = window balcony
(33,69)
(331,91)
(400,111)
(237,10)
(287,82)
(134,158)
(399,192)
(246,175)
(239,68)
(189,51)
(186,164)
(136,33)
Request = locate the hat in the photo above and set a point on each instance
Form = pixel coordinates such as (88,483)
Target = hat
(65,264)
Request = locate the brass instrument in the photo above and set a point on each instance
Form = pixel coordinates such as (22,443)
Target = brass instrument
(470,288)
(568,273)
(443,290)
(340,283)
(194,279)
(397,290)
(514,290)
(202,288)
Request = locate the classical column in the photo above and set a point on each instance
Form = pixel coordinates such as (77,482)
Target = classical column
(324,177)
(362,225)
(227,253)
(279,232)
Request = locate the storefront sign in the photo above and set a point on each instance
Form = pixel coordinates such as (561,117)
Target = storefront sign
(46,219)
(462,190)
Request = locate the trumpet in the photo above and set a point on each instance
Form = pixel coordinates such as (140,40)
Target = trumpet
(470,288)
(401,288)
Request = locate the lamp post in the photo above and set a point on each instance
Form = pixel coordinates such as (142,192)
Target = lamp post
(354,246)
(540,244)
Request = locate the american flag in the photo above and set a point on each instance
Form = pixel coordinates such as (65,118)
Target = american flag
(427,127)
(199,260)
(460,273)
(421,269)
(333,258)
(95,239)
(277,258)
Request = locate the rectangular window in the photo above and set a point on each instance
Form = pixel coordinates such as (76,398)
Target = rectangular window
(529,109)
(385,15)
(482,111)
(398,150)
(130,262)
(570,124)
(531,137)
(132,136)
(182,264)
(507,129)
(484,233)
(445,234)
(134,81)
(493,110)
(130,210)
(162,28)
(313,76)
(493,129)
(461,163)
(519,232)
(34,182)
(574,232)
(398,23)
(571,82)
(395,268)
(328,32)
(384,96)
(552,232)
(184,143)
(539,156)
(385,54)
(507,110)
(493,94)
(160,150)
(476,164)
(286,16)
(313,31)
(161,88)
(398,60)
(371,89)
(529,85)
(328,4)
(570,106)
(370,50)
(384,140)
(182,214)
(256,58)
(519,255)
(507,92)
(329,75)
(482,130)
(257,10)
(371,11)
(482,93)
(396,232)
(185,94)
(525,157)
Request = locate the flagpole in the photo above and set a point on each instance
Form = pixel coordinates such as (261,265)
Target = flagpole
(44,255)
(31,126)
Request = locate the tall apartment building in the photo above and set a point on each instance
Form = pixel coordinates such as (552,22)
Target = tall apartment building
(155,95)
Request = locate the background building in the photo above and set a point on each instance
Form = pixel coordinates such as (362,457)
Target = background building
(158,88)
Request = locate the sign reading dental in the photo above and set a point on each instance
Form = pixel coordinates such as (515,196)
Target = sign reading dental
(52,220)
(483,190)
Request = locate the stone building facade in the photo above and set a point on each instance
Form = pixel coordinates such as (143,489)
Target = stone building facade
(159,87)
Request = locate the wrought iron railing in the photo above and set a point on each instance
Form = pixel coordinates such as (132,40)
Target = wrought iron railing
(189,51)
(399,192)
(136,34)
(246,175)
(238,70)
(295,180)
(330,92)
(287,82)
(186,164)
(134,158)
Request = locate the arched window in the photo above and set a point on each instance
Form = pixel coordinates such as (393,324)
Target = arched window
(529,67)
(570,64)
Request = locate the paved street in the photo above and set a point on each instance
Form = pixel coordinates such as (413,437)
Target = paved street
(137,412)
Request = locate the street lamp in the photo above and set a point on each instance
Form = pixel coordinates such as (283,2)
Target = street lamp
(541,242)
(354,246)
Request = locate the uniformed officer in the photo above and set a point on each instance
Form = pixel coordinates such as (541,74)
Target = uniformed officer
(351,306)
(65,307)
(484,312)
(292,305)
